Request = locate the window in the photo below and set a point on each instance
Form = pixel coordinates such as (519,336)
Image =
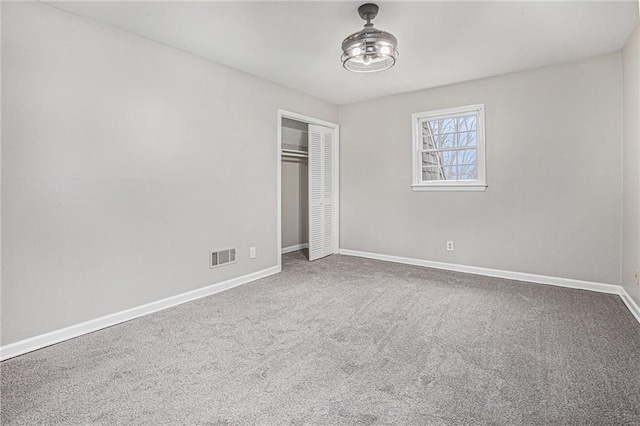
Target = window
(448,149)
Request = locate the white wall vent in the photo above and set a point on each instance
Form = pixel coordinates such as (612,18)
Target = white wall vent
(222,257)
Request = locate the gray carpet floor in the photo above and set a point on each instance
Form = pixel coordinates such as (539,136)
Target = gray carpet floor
(346,340)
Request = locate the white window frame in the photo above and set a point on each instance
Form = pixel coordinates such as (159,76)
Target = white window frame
(472,185)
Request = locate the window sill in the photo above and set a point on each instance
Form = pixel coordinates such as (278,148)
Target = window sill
(449,187)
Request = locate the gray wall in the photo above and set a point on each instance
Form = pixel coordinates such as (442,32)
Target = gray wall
(554,151)
(294,184)
(631,169)
(124,162)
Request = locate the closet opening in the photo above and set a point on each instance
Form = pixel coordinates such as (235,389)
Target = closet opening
(307,186)
(295,192)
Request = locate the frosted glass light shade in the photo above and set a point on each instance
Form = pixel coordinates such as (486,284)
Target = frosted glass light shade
(370,49)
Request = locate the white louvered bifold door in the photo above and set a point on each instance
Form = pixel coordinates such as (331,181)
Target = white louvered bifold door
(321,192)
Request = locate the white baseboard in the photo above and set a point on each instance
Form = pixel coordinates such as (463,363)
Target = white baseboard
(517,276)
(38,342)
(631,304)
(294,248)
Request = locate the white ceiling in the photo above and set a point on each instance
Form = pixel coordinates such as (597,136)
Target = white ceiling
(297,44)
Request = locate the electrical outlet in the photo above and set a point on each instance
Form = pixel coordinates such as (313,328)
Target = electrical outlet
(449,245)
(635,277)
(252,253)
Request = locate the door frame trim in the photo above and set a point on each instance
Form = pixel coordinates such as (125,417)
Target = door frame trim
(336,176)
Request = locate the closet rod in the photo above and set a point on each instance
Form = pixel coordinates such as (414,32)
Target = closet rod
(295,153)
(289,154)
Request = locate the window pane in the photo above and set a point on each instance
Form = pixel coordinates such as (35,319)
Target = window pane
(448,125)
(467,122)
(427,142)
(433,126)
(431,159)
(467,139)
(467,172)
(432,173)
(448,158)
(450,172)
(467,156)
(446,141)
(445,125)
(427,136)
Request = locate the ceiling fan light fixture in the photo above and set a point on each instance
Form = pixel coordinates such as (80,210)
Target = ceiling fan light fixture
(370,49)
